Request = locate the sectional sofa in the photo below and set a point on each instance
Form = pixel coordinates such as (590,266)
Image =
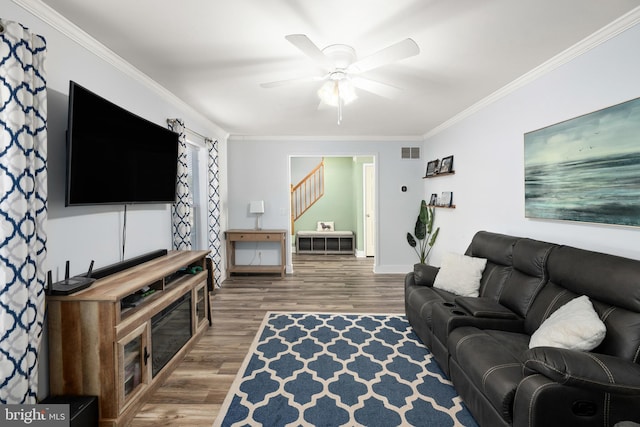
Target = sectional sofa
(549,336)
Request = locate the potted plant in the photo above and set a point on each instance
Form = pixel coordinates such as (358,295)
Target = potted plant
(425,236)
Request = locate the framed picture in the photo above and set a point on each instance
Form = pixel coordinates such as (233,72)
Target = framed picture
(433,200)
(585,169)
(447,165)
(432,167)
(447,198)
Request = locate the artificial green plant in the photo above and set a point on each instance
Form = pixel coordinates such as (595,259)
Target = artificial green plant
(425,235)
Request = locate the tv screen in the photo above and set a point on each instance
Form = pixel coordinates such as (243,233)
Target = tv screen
(116,157)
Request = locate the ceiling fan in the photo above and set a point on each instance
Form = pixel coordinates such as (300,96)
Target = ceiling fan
(342,70)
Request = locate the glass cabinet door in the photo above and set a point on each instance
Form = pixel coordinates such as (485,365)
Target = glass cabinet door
(133,355)
(201,304)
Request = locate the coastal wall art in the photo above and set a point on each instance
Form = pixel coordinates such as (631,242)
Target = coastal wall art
(587,168)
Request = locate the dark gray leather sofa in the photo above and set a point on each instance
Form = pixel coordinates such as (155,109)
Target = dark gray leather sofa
(483,343)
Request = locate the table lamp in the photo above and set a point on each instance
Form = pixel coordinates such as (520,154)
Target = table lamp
(257,207)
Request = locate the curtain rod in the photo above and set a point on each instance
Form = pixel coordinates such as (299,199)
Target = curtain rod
(193,131)
(197,134)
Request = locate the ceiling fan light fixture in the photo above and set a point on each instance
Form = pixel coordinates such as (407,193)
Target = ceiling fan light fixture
(337,92)
(341,65)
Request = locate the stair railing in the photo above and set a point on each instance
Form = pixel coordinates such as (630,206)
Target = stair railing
(307,192)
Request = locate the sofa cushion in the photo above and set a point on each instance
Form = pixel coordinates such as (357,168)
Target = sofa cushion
(623,326)
(575,326)
(492,361)
(460,274)
(606,278)
(497,249)
(528,277)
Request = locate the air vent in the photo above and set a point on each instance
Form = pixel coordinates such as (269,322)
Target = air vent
(410,152)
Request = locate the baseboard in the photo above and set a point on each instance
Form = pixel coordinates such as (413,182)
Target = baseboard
(392,269)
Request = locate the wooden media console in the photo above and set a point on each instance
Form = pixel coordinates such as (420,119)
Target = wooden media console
(120,338)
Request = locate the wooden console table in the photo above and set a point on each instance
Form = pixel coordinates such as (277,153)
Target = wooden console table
(233,236)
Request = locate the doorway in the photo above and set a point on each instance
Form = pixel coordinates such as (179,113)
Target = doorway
(349,198)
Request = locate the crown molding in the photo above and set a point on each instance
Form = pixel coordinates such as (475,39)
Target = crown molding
(328,138)
(606,33)
(51,17)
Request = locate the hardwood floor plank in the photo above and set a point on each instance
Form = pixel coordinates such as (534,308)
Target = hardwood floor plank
(194,392)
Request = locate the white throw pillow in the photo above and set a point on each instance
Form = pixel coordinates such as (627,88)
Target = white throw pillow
(325,226)
(575,326)
(460,274)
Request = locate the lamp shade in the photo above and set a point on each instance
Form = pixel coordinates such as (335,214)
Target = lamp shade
(256,207)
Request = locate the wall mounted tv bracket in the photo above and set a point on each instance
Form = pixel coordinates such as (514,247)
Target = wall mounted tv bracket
(70,284)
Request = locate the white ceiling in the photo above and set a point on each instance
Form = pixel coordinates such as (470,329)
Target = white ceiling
(213,54)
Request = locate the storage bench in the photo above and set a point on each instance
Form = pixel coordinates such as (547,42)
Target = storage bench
(325,242)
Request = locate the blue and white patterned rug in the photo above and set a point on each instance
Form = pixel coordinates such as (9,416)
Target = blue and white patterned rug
(340,370)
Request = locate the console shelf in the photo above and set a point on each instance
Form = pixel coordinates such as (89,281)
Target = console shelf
(98,347)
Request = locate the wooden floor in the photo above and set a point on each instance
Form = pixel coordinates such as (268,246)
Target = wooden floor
(193,394)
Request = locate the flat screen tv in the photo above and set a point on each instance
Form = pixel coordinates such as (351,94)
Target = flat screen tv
(116,157)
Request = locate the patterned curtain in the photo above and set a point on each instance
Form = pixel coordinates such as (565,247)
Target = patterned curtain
(181,213)
(23,209)
(214,210)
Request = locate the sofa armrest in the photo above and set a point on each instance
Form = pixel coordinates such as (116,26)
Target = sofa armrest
(587,370)
(424,274)
(485,307)
(541,402)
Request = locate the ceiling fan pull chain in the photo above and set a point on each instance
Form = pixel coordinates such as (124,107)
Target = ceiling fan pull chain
(340,102)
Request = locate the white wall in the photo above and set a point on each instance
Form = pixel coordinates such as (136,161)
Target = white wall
(302,166)
(259,170)
(488,185)
(80,234)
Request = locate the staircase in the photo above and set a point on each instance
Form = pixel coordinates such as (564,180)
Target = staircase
(305,193)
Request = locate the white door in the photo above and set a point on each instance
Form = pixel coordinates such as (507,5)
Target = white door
(369,210)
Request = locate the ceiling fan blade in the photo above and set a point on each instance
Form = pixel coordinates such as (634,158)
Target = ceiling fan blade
(377,88)
(307,47)
(287,82)
(395,52)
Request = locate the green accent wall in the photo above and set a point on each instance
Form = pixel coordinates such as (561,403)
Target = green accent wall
(342,202)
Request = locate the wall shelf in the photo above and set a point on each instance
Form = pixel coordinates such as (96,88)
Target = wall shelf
(437,175)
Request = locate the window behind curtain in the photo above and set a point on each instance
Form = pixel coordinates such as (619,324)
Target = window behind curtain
(197,163)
